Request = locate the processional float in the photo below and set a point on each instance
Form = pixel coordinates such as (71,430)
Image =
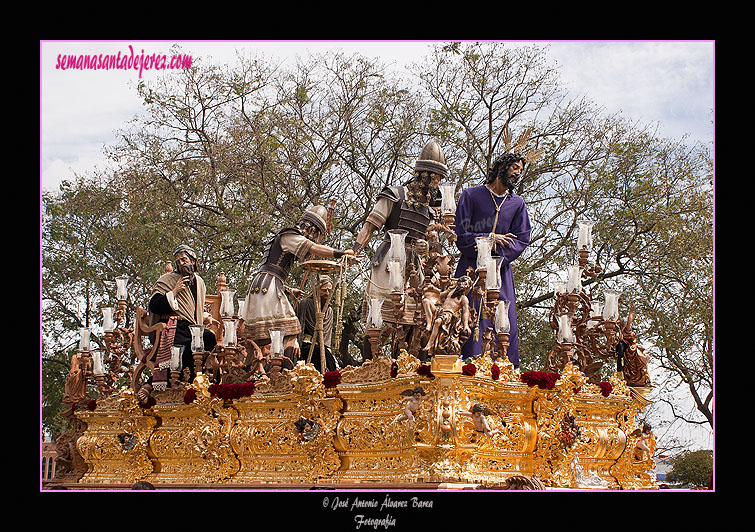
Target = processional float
(249,420)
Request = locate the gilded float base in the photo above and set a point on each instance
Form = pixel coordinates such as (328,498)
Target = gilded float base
(355,434)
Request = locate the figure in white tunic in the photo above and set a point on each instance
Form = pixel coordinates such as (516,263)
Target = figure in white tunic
(267,305)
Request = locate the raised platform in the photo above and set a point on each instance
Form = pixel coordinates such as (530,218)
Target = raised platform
(192,439)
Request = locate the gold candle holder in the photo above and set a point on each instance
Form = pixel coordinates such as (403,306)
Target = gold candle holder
(373,335)
(503,345)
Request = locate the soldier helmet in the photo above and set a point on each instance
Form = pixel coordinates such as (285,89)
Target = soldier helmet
(432,159)
(316,216)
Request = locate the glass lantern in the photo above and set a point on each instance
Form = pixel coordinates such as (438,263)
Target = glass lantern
(84,335)
(484,251)
(595,310)
(447,201)
(565,333)
(395,276)
(584,238)
(175,357)
(197,338)
(98,367)
(375,313)
(229,333)
(226,304)
(574,279)
(397,250)
(120,286)
(276,341)
(493,278)
(611,305)
(502,323)
(107,319)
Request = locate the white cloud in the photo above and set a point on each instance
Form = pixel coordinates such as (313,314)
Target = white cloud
(670,83)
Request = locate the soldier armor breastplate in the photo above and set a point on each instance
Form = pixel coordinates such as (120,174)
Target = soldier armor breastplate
(413,217)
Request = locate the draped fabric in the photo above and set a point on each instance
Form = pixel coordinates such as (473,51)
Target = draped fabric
(475,215)
(189,309)
(162,358)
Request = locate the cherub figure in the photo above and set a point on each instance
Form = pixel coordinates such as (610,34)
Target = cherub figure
(306,429)
(642,450)
(260,358)
(413,402)
(451,319)
(477,414)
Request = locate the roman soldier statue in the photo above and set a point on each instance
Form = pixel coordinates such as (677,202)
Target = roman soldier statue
(403,209)
(267,305)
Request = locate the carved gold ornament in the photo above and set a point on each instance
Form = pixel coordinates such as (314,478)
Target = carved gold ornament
(351,434)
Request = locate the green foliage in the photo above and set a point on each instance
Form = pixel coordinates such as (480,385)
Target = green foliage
(692,469)
(223,158)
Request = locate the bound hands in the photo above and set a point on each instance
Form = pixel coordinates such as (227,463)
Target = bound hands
(504,240)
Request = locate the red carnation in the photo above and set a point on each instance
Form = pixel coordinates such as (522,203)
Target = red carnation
(495,372)
(331,379)
(92,405)
(605,388)
(424,371)
(469,369)
(541,379)
(190,396)
(394,369)
(234,390)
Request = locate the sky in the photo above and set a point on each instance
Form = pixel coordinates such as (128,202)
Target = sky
(670,84)
(665,83)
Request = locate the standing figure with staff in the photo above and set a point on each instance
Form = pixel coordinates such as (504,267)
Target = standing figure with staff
(403,209)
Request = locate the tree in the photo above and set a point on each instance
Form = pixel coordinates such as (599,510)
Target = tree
(224,157)
(651,200)
(692,469)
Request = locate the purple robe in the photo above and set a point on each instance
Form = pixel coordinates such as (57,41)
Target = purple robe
(474,217)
